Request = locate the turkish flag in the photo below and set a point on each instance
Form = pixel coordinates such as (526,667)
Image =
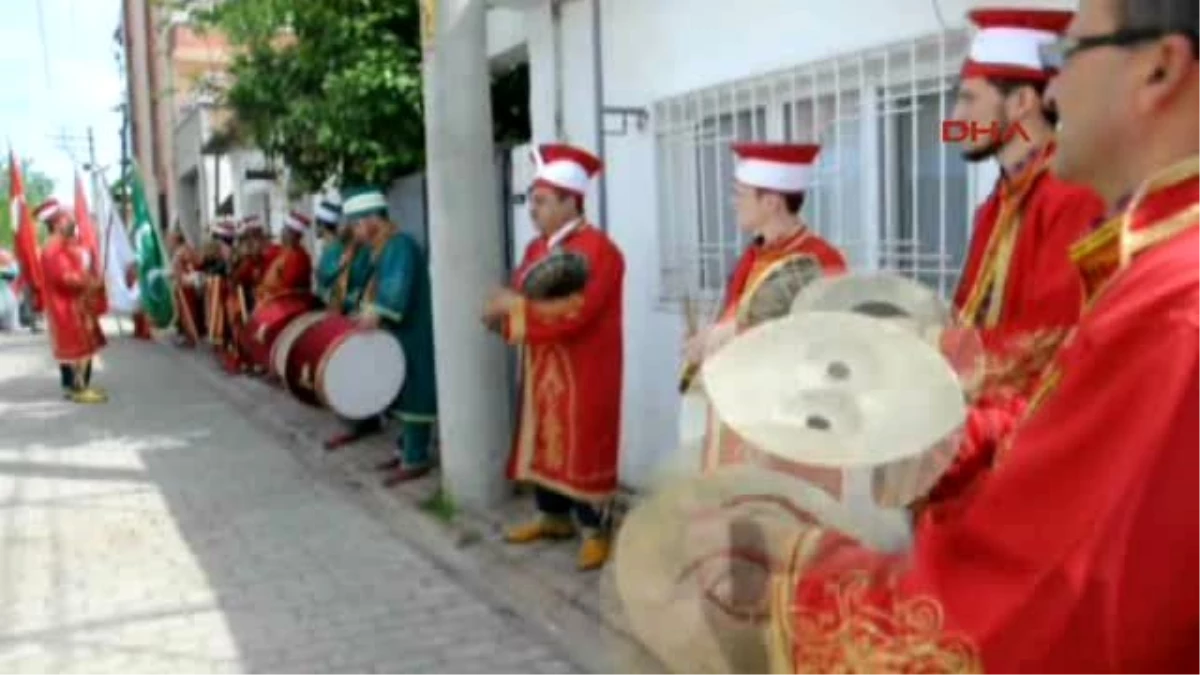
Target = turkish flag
(26,244)
(85,230)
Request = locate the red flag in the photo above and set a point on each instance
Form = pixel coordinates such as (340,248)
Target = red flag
(85,230)
(26,240)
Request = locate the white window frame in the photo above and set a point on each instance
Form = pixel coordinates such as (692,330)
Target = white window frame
(873,76)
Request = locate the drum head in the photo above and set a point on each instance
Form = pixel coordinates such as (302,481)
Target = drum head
(287,337)
(363,374)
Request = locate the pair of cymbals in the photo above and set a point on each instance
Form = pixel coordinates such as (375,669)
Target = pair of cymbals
(847,380)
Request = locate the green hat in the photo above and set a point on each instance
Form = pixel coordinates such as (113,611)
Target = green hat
(362,202)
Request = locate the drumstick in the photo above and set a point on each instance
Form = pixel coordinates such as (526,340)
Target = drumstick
(689,369)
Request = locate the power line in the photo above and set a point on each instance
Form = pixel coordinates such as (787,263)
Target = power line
(41,18)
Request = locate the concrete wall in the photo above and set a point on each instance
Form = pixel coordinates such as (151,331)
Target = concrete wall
(406,201)
(657,49)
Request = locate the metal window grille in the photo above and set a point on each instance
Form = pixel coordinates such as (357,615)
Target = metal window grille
(887,191)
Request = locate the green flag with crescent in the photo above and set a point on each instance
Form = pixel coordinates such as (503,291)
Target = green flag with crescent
(154,282)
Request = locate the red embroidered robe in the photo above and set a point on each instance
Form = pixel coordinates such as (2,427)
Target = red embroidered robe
(721,445)
(288,268)
(187,295)
(569,429)
(1020,290)
(1079,553)
(70,307)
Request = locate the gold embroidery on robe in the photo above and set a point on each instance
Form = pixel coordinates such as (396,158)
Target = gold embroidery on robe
(985,301)
(851,634)
(553,402)
(559,309)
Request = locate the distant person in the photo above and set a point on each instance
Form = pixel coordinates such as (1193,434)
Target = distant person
(10,305)
(71,301)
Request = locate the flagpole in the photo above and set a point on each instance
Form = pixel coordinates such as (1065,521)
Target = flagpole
(107,223)
(108,228)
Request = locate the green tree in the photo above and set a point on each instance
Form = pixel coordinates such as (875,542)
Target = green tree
(330,87)
(38,186)
(333,87)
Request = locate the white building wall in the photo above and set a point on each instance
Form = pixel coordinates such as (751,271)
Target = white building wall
(662,48)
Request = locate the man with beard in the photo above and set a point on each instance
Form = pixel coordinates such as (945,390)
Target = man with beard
(1079,553)
(1019,289)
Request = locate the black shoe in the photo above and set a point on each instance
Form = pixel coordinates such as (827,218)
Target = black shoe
(388,465)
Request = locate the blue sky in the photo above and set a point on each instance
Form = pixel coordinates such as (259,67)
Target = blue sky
(83,86)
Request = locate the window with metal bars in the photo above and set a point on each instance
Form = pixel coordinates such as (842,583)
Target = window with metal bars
(887,191)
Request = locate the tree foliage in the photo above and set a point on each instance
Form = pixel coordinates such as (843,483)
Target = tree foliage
(333,87)
(38,186)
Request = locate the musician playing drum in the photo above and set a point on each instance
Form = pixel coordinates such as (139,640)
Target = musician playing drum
(770,186)
(342,272)
(333,240)
(570,423)
(185,264)
(397,298)
(289,267)
(70,292)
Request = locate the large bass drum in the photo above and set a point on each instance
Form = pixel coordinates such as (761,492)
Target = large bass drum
(354,372)
(268,321)
(287,337)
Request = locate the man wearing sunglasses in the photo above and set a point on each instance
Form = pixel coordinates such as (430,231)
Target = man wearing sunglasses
(1079,551)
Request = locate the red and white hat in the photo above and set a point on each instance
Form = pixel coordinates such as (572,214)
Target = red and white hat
(779,167)
(565,167)
(250,224)
(47,210)
(297,222)
(1009,40)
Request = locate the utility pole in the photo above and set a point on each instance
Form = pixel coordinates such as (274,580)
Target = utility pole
(466,250)
(94,170)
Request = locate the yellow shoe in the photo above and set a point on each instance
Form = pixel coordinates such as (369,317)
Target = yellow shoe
(593,553)
(542,528)
(89,396)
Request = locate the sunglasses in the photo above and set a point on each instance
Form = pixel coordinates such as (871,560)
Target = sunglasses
(1054,55)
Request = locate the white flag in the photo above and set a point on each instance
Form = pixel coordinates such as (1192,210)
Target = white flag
(118,256)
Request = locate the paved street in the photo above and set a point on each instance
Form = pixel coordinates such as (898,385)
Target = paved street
(164,532)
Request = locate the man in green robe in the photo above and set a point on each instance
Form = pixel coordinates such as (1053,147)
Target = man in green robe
(397,298)
(339,285)
(329,265)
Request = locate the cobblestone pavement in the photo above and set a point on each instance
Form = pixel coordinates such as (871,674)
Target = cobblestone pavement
(163,532)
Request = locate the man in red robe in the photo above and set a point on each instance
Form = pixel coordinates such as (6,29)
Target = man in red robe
(1079,551)
(1019,289)
(71,301)
(770,182)
(570,424)
(184,269)
(247,268)
(288,267)
(217,264)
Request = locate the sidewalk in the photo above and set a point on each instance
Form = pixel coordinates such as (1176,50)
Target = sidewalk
(168,531)
(538,582)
